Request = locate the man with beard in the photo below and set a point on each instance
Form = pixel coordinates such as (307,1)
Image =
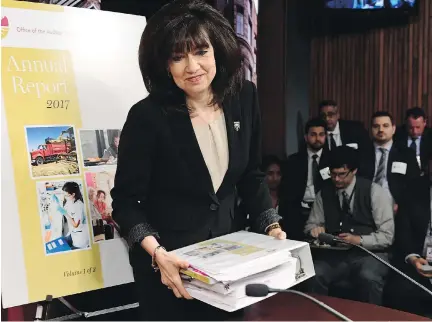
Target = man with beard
(357,211)
(304,174)
(393,167)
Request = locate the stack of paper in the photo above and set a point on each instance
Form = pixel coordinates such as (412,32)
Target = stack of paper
(222,267)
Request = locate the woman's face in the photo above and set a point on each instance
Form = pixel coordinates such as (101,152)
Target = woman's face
(193,72)
(101,197)
(69,196)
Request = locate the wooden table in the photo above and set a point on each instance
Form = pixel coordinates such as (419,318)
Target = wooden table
(292,307)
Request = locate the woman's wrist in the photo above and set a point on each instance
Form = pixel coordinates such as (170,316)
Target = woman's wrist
(272,226)
(149,244)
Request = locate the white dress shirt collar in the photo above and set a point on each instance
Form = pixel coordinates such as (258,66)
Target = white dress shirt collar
(386,146)
(336,130)
(311,153)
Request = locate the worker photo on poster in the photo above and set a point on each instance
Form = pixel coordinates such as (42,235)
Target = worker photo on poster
(63,216)
(99,147)
(52,151)
(98,186)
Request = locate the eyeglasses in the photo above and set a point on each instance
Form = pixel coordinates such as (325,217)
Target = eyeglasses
(328,114)
(341,175)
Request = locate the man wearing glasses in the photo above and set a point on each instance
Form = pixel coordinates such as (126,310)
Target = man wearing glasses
(342,132)
(356,210)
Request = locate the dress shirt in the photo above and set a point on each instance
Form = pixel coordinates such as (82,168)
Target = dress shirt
(382,213)
(417,141)
(309,195)
(336,136)
(378,154)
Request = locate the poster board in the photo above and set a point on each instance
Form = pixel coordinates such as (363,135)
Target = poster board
(69,78)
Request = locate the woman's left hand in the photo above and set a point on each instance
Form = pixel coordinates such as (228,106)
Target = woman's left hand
(277,233)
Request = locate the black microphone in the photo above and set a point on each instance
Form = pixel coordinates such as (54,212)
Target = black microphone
(262,290)
(330,239)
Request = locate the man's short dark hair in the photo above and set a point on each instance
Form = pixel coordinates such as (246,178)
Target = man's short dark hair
(182,26)
(344,156)
(326,103)
(315,122)
(415,113)
(382,114)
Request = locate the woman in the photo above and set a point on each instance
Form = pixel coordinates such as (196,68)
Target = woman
(184,151)
(272,167)
(75,216)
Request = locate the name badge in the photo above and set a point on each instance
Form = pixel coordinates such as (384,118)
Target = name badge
(325,173)
(353,145)
(399,167)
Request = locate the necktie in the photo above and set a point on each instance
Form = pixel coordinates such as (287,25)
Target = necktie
(315,172)
(332,142)
(381,167)
(345,203)
(413,145)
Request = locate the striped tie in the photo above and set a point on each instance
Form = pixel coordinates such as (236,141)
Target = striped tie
(380,174)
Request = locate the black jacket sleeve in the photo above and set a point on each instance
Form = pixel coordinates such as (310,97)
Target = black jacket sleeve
(251,187)
(134,166)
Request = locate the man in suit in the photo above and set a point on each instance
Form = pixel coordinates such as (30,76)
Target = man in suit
(393,167)
(416,135)
(304,174)
(343,132)
(413,238)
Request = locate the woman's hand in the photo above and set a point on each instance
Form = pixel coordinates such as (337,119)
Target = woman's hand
(277,233)
(169,266)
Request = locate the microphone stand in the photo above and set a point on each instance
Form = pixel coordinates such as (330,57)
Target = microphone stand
(385,263)
(323,305)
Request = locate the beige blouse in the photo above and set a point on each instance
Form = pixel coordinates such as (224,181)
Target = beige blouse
(213,142)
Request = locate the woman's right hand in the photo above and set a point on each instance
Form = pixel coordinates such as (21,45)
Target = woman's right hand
(316,231)
(169,266)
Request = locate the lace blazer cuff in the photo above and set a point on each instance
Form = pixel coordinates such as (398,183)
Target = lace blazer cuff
(139,232)
(266,218)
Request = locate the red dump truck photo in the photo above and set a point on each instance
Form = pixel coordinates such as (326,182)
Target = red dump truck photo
(52,150)
(55,149)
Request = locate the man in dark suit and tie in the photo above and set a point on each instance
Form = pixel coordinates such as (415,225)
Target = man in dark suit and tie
(413,239)
(344,132)
(391,166)
(416,135)
(304,174)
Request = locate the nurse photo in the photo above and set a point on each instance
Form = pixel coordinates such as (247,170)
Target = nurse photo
(63,216)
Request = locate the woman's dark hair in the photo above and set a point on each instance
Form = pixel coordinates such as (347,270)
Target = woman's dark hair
(344,156)
(180,27)
(99,192)
(268,160)
(73,187)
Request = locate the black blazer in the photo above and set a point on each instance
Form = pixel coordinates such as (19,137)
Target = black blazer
(354,132)
(401,139)
(399,184)
(162,180)
(412,222)
(292,189)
